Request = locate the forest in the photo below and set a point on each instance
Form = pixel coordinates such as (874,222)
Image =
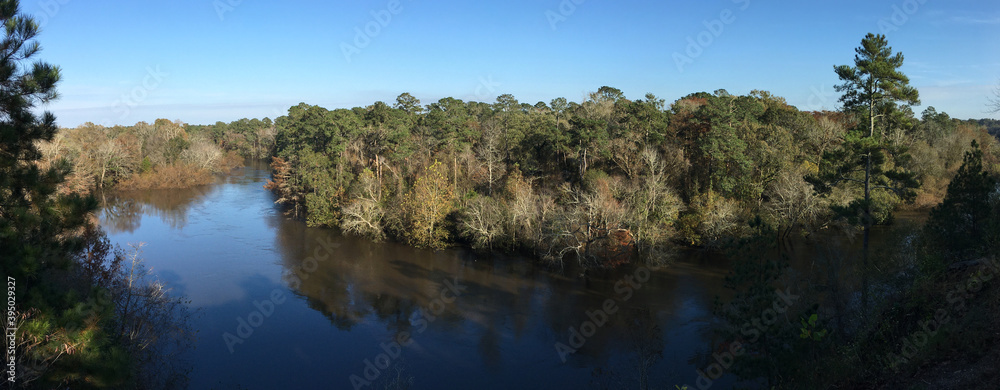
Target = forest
(603,182)
(606,180)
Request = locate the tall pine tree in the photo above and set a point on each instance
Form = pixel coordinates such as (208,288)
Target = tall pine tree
(62,338)
(871,89)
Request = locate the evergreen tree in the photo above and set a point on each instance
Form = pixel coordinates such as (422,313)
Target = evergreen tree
(31,216)
(40,230)
(961,225)
(871,89)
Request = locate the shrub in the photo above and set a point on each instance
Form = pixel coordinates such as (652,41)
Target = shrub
(168,176)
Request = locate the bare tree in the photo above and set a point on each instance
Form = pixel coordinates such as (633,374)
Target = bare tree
(823,136)
(265,140)
(994,101)
(364,218)
(491,152)
(793,202)
(203,153)
(52,150)
(483,222)
(651,200)
(103,156)
(364,215)
(625,154)
(522,207)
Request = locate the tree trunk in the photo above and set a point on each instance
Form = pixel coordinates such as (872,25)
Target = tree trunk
(489,168)
(871,118)
(378,173)
(868,226)
(868,207)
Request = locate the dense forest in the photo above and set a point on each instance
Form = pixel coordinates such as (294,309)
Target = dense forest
(602,182)
(606,180)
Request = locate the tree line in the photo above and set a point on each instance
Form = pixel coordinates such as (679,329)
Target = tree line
(164,154)
(608,179)
(924,303)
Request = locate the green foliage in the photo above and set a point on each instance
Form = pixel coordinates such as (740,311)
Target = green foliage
(68,332)
(866,159)
(427,204)
(809,329)
(754,280)
(964,225)
(875,78)
(690,172)
(175,147)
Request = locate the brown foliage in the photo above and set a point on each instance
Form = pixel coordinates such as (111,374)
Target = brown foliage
(168,176)
(230,161)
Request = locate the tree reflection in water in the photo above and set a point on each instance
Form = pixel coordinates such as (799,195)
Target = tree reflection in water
(122,212)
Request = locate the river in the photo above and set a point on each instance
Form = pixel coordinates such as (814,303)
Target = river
(283,305)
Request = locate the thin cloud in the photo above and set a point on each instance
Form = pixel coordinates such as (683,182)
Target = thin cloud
(973,20)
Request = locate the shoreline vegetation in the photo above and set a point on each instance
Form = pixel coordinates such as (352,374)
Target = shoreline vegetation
(161,155)
(82,314)
(606,181)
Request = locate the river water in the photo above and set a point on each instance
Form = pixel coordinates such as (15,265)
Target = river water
(282,305)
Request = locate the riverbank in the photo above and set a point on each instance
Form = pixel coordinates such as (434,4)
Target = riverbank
(161,155)
(227,248)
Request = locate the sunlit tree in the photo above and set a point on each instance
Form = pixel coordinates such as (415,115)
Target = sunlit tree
(871,88)
(428,204)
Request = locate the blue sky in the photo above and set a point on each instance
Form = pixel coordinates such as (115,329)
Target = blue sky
(208,60)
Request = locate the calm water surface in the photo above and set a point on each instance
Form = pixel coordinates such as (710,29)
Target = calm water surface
(282,305)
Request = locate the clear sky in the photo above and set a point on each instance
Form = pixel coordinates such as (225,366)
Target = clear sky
(201,61)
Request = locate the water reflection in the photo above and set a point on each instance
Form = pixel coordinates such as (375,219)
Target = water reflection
(229,247)
(122,212)
(511,312)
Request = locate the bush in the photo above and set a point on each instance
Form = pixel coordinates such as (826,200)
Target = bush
(712,221)
(168,176)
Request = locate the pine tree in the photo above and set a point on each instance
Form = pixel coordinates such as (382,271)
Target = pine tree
(871,90)
(41,230)
(33,219)
(960,225)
